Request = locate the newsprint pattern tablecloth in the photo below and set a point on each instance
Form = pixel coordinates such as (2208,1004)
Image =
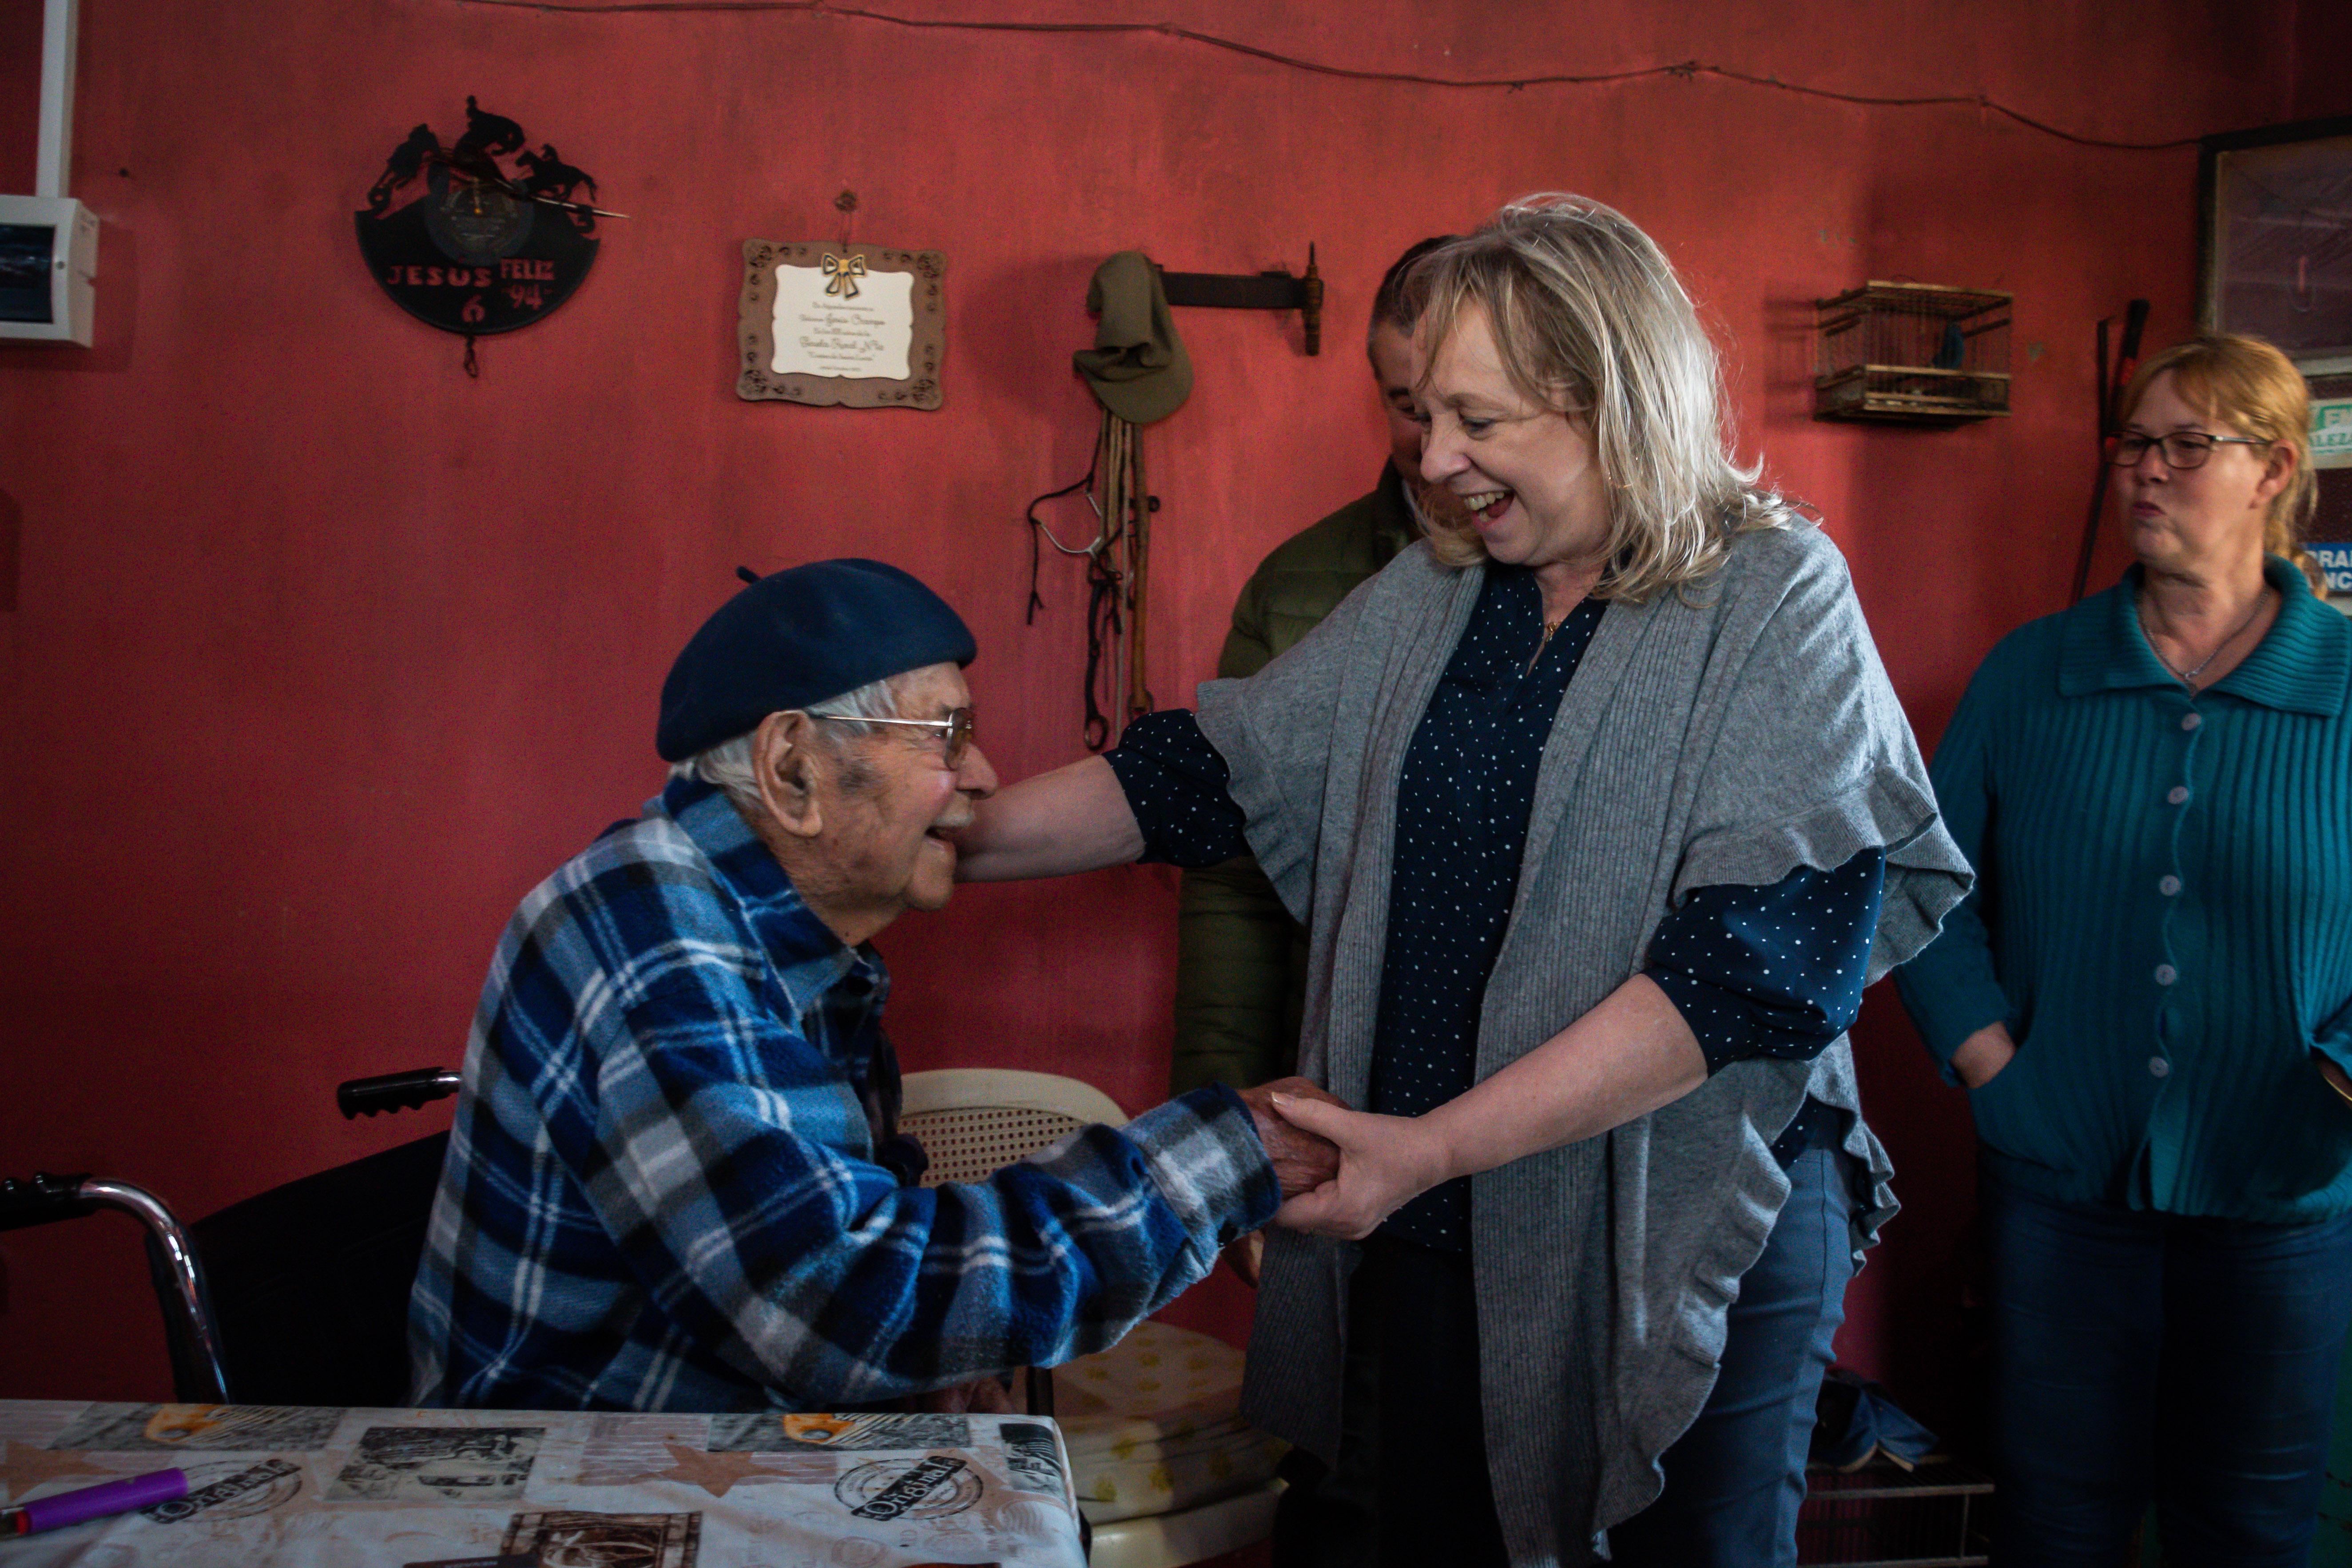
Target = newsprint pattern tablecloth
(389,1488)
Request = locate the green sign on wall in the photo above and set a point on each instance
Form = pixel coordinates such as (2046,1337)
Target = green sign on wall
(2331,433)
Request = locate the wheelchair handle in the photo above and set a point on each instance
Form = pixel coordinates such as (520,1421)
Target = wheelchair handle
(46,1198)
(395,1091)
(42,1200)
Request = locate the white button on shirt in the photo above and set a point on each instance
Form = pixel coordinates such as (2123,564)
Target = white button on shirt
(2191,720)
(2159,1067)
(2168,886)
(2176,794)
(2166,974)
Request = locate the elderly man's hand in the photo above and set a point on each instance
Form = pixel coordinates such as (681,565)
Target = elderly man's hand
(1302,1160)
(1385,1161)
(982,1397)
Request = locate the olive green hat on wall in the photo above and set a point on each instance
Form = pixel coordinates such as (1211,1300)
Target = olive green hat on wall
(1137,368)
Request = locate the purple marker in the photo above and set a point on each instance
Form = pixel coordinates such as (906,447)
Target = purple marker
(97,1503)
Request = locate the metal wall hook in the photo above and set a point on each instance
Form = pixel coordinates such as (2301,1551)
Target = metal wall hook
(1274,290)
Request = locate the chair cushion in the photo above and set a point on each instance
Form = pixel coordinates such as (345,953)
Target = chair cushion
(1153,1424)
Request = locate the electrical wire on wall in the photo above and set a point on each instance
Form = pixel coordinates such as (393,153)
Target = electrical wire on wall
(1685,70)
(1117,557)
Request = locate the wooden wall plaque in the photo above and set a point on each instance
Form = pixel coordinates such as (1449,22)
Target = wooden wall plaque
(860,325)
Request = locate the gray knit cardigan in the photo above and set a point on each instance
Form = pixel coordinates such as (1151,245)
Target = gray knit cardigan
(1725,734)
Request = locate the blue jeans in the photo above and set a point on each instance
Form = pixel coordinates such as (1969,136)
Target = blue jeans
(1736,1479)
(1733,1481)
(2141,1356)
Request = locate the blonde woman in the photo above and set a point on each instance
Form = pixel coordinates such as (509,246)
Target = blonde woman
(1600,812)
(2151,1002)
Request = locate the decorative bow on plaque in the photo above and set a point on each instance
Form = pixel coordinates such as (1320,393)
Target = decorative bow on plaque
(841,269)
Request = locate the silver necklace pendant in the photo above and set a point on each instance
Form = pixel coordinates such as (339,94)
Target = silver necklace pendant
(2188,676)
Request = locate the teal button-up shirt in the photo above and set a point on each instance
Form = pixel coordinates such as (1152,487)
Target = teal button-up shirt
(2162,916)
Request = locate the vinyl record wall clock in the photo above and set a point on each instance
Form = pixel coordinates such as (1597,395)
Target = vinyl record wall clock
(482,236)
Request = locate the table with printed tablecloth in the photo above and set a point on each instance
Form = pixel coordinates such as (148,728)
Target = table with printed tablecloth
(305,1487)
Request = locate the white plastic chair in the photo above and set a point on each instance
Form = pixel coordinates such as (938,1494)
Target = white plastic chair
(1150,1423)
(974,1121)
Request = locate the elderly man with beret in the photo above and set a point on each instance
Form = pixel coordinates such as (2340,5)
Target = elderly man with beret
(675,1181)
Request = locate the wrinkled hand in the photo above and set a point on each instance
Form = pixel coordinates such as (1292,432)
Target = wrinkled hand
(1385,1161)
(1302,1159)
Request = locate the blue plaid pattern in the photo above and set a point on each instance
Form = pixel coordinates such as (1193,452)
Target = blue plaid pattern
(661,1191)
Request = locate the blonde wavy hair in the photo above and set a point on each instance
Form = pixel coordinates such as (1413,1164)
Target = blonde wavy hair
(1590,320)
(2250,386)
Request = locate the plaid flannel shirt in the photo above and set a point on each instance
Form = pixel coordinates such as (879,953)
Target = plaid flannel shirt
(661,1191)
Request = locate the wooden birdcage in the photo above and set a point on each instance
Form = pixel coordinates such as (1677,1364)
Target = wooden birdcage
(1918,352)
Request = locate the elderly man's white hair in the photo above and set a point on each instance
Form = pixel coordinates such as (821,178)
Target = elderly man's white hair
(729,764)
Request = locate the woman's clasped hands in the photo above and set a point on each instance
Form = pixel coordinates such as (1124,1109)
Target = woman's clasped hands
(1385,1161)
(1302,1160)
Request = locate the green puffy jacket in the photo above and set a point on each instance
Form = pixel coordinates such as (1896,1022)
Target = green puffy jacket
(1240,960)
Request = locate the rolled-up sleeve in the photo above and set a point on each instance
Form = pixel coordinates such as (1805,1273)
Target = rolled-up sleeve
(1774,971)
(1813,762)
(1176,785)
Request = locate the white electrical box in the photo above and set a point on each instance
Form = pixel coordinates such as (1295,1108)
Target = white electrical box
(48,253)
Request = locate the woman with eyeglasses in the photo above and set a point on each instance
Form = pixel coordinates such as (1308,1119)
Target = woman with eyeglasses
(2148,996)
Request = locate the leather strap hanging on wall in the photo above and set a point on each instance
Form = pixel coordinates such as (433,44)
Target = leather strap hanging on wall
(1117,578)
(1117,568)
(1139,372)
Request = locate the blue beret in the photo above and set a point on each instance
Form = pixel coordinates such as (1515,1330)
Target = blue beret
(799,637)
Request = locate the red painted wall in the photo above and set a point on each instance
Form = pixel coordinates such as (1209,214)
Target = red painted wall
(322,653)
(2323,59)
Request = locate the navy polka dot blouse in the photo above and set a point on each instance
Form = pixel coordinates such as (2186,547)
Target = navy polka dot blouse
(1770,972)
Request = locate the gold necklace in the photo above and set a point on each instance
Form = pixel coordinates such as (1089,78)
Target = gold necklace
(1545,641)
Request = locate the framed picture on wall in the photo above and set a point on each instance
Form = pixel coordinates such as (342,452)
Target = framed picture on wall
(864,326)
(2275,244)
(2276,240)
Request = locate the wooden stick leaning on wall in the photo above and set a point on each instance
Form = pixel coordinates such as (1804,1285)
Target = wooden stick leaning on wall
(1108,586)
(1139,690)
(1120,434)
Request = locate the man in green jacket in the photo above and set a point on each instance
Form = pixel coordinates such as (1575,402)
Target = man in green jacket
(1241,961)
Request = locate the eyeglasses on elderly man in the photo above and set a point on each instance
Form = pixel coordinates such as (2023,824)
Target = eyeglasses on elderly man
(676,1179)
(958,727)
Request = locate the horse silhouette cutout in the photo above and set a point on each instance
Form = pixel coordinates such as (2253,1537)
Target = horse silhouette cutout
(487,136)
(555,180)
(407,162)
